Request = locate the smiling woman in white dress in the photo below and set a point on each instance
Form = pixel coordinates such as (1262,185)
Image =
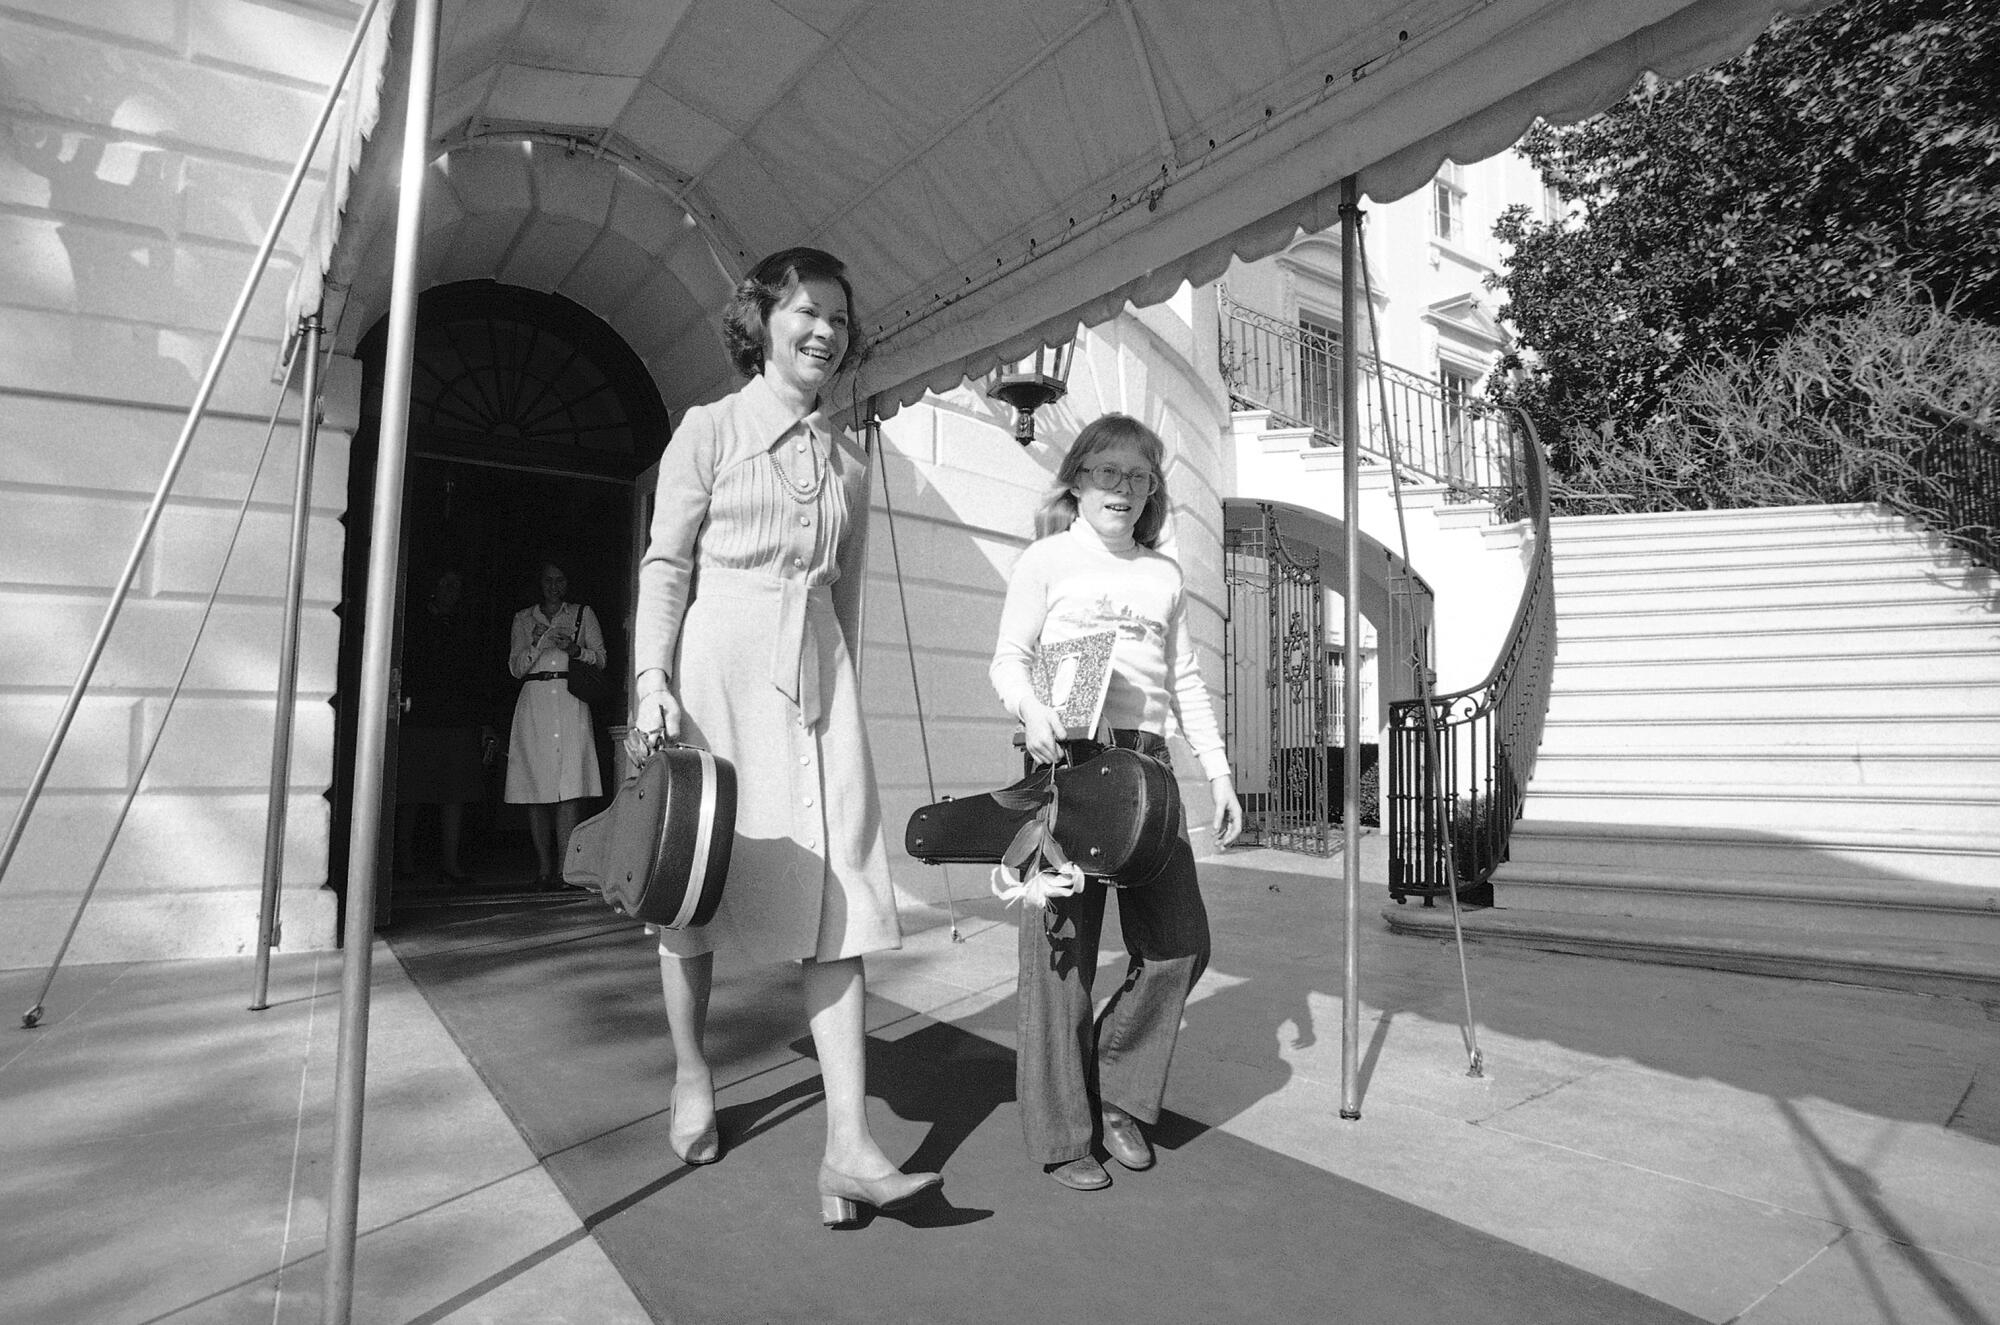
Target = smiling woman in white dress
(552,751)
(745,640)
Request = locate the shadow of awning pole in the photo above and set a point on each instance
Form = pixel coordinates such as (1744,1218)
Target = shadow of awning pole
(377,645)
(268,919)
(1350,641)
(224,341)
(1432,803)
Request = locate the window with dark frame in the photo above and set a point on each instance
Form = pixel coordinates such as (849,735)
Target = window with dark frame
(1459,388)
(1448,203)
(1319,374)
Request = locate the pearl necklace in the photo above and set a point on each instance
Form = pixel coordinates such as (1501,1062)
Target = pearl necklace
(807,493)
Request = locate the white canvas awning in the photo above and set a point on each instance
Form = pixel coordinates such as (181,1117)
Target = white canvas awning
(994,172)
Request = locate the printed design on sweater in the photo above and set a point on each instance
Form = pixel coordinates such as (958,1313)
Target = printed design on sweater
(1107,614)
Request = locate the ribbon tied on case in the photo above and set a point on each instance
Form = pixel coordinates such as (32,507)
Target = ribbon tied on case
(1034,869)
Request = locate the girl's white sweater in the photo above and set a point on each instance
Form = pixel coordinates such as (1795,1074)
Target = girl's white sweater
(1072,584)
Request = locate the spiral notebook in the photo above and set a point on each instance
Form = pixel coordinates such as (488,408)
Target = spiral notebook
(1073,676)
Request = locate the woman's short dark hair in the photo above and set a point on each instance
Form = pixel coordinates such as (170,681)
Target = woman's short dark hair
(759,292)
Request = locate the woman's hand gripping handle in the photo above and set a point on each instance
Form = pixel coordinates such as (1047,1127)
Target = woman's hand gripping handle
(656,718)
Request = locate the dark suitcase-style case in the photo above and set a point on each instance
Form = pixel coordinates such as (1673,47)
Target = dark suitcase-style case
(1118,818)
(661,851)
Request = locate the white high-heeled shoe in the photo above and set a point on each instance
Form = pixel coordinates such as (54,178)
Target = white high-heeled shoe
(840,1193)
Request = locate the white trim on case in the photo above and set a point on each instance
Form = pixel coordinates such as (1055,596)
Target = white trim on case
(698,867)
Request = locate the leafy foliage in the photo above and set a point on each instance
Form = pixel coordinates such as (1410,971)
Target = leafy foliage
(1898,403)
(1842,156)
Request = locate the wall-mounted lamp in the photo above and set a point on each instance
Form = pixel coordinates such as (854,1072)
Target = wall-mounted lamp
(1027,385)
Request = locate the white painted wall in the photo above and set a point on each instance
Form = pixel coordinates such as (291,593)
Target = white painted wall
(143,148)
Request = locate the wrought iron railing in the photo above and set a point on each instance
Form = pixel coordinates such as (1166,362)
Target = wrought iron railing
(1965,461)
(1451,817)
(1440,434)
(1281,723)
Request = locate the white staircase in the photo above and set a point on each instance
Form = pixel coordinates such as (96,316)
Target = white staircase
(1773,745)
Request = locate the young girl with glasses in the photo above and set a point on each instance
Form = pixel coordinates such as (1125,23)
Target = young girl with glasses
(1096,565)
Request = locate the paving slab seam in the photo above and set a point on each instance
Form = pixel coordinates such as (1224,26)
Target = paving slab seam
(515,943)
(1564,1084)
(1777,1207)
(1797,1270)
(1931,1253)
(1958,1110)
(300,1113)
(942,1011)
(294,1261)
(41,1033)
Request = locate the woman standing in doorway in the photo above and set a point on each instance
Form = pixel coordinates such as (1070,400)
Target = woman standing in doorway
(552,754)
(747,629)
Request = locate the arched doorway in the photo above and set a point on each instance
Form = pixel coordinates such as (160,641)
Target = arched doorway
(531,422)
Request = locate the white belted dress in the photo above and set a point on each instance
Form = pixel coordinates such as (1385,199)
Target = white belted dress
(750,599)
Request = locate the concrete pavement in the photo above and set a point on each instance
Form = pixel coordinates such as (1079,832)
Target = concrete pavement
(1746,1148)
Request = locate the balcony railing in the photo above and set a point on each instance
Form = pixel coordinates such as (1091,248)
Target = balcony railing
(1439,434)
(1451,819)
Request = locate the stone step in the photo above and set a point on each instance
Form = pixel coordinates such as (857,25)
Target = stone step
(1690,526)
(1852,764)
(1637,729)
(1946,963)
(1762,589)
(1632,614)
(1666,542)
(1673,802)
(1905,908)
(1656,575)
(1930,667)
(1733,543)
(1797,702)
(1952,637)
(1697,852)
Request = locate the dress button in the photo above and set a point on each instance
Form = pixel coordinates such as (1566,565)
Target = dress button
(809,800)
(805,520)
(805,759)
(799,446)
(800,562)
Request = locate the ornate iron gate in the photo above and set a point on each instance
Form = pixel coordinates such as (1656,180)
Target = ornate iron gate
(1279,681)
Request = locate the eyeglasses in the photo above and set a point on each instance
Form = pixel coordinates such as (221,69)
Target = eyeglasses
(1111,478)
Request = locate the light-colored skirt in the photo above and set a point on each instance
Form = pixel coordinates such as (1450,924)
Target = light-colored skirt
(552,752)
(808,869)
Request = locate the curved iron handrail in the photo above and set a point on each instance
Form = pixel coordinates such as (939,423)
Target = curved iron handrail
(1458,818)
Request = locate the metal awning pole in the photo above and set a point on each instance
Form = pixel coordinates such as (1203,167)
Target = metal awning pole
(1350,641)
(179,454)
(377,644)
(288,673)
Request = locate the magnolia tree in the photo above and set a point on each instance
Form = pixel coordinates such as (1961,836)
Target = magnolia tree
(1847,157)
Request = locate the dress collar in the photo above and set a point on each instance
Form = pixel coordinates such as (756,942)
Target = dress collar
(770,418)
